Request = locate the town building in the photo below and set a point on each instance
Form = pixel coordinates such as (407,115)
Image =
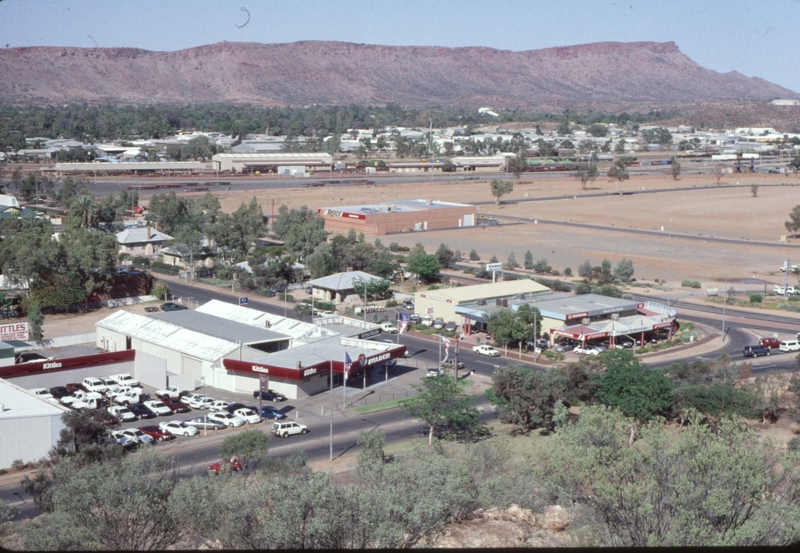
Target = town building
(144,241)
(398,216)
(340,287)
(278,163)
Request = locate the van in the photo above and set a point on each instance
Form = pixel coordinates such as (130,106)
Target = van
(755,351)
(789,345)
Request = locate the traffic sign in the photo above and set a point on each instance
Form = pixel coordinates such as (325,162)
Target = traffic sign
(243,301)
(494,266)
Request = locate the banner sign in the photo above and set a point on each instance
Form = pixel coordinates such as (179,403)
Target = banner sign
(14,331)
(67,363)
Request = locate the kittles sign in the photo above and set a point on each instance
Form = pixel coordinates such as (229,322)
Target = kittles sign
(16,331)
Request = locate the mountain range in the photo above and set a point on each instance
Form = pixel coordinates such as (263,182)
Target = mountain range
(315,72)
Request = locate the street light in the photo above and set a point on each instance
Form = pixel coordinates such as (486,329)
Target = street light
(330,377)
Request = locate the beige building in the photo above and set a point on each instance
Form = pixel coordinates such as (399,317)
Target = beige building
(398,216)
(443,302)
(281,163)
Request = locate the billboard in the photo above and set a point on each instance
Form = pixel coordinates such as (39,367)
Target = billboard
(14,331)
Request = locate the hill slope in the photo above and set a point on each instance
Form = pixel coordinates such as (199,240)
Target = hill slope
(304,73)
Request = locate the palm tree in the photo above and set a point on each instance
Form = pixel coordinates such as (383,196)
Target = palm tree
(84,207)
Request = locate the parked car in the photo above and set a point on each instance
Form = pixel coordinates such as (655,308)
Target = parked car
(438,323)
(248,415)
(126,379)
(59,391)
(588,350)
(158,407)
(486,349)
(389,328)
(171,391)
(425,321)
(232,464)
(123,414)
(563,347)
(270,395)
(75,387)
(227,419)
(408,304)
(126,441)
(141,411)
(755,351)
(234,406)
(176,406)
(178,428)
(202,423)
(156,433)
(93,384)
(284,429)
(218,405)
(110,382)
(414,319)
(42,393)
(450,326)
(170,306)
(270,412)
(789,345)
(768,342)
(201,402)
(138,435)
(624,342)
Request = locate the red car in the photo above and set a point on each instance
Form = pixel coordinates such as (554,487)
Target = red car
(769,342)
(75,387)
(175,405)
(157,434)
(233,464)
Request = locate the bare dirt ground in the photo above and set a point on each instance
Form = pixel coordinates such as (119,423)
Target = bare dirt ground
(688,247)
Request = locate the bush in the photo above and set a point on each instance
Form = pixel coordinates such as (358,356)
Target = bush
(473,255)
(434,287)
(469,270)
(567,272)
(394,246)
(794,444)
(399,258)
(684,283)
(286,297)
(756,298)
(553,355)
(583,288)
(794,297)
(392,303)
(163,267)
(18,464)
(695,284)
(558,286)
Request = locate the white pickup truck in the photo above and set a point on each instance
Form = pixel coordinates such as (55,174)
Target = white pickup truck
(780,290)
(172,392)
(485,349)
(85,400)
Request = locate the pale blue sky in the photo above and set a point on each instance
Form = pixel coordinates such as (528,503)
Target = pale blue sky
(758,38)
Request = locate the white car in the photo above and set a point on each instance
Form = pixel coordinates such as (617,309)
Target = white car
(122,413)
(41,393)
(158,407)
(588,350)
(123,439)
(201,402)
(284,429)
(485,349)
(93,384)
(249,415)
(226,418)
(389,328)
(125,379)
(178,428)
(218,405)
(138,435)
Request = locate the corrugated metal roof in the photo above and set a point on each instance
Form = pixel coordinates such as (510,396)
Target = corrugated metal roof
(219,327)
(298,330)
(168,335)
(342,281)
(489,290)
(18,402)
(138,235)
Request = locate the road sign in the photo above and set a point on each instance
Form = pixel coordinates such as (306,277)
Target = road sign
(429,310)
(494,266)
(263,382)
(243,301)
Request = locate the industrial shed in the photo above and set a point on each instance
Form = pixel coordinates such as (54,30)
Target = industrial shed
(279,163)
(398,216)
(29,425)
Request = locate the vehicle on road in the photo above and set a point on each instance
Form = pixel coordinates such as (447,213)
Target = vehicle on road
(270,395)
(789,345)
(284,429)
(389,328)
(141,411)
(156,433)
(270,412)
(408,304)
(178,428)
(203,423)
(768,342)
(486,349)
(755,351)
(232,464)
(227,419)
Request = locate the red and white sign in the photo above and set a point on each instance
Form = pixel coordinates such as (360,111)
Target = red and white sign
(15,331)
(68,363)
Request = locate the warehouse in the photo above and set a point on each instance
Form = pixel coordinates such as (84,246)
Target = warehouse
(278,163)
(29,425)
(463,304)
(398,216)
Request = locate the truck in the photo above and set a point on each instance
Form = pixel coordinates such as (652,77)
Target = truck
(91,400)
(173,392)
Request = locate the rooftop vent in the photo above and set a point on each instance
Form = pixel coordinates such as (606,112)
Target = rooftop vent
(482,301)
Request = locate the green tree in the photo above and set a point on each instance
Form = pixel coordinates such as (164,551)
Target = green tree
(36,321)
(426,266)
(85,209)
(620,146)
(250,447)
(511,263)
(794,164)
(563,128)
(445,256)
(528,261)
(445,409)
(302,230)
(623,272)
(376,288)
(695,486)
(473,255)
(589,175)
(501,188)
(675,168)
(793,224)
(511,327)
(585,270)
(597,130)
(637,391)
(617,172)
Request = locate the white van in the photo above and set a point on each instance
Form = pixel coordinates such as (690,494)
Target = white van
(789,345)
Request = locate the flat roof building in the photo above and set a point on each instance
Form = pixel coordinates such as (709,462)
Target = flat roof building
(269,162)
(398,216)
